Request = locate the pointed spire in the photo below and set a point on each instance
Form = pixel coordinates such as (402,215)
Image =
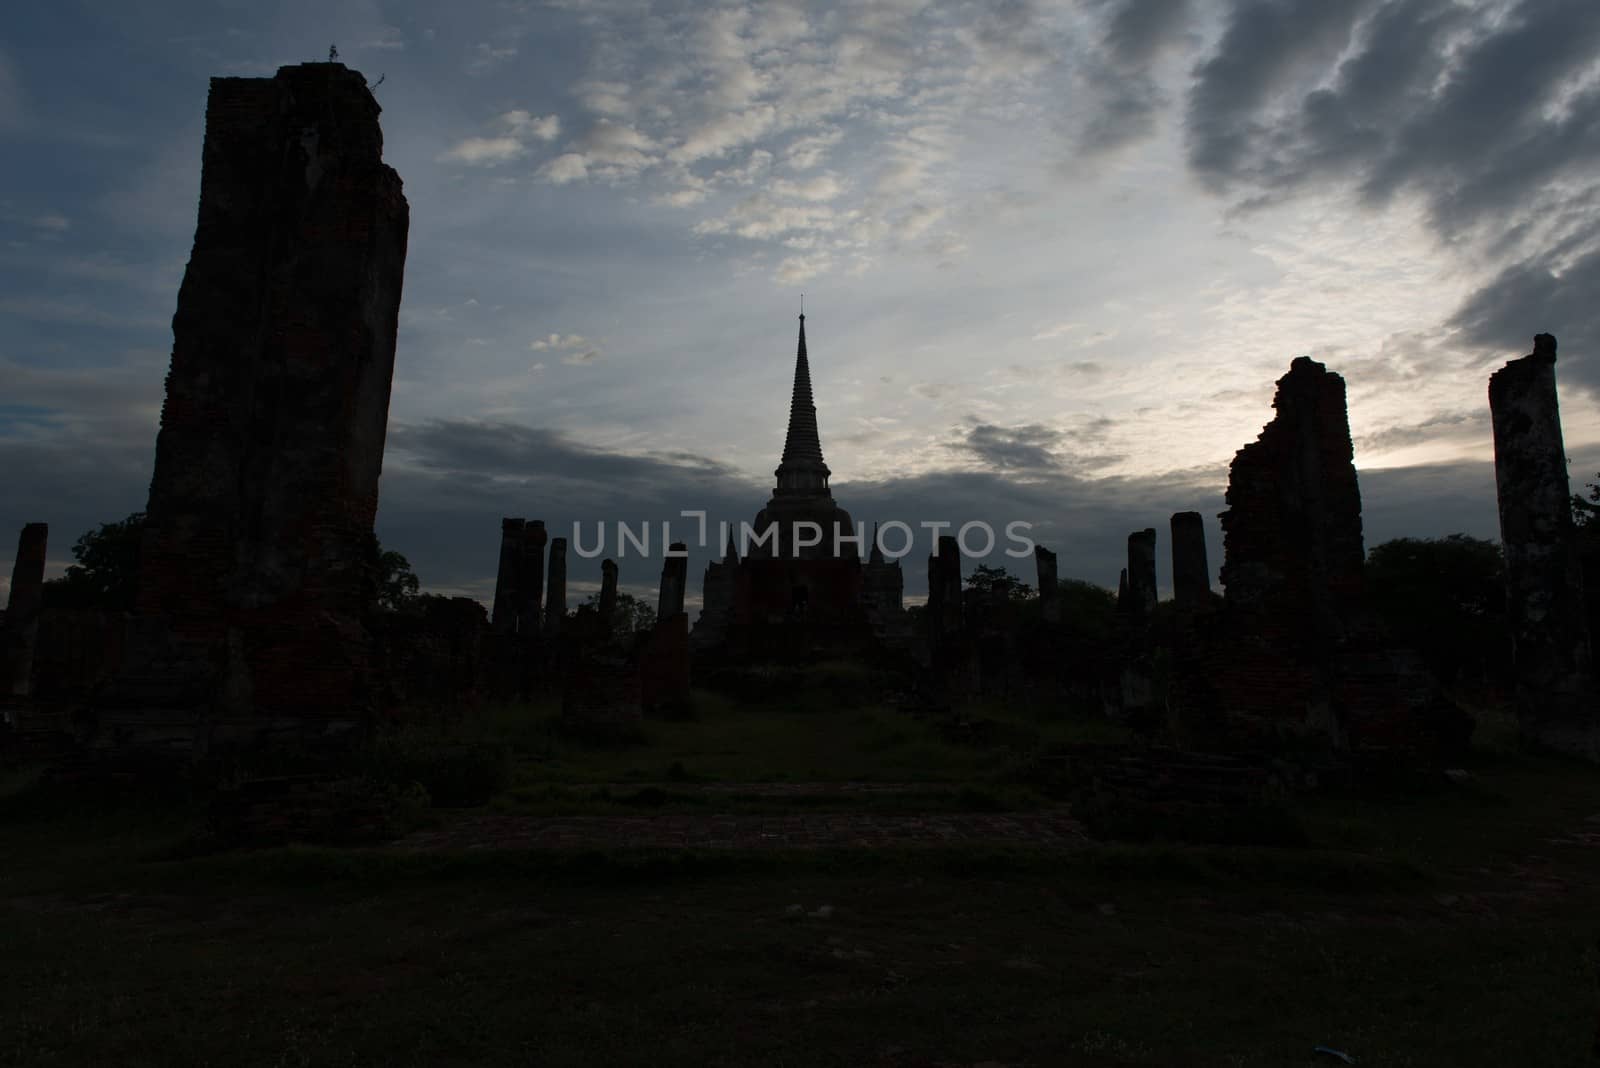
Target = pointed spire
(802,469)
(802,443)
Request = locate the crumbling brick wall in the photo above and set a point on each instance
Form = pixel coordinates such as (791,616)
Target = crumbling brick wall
(259,522)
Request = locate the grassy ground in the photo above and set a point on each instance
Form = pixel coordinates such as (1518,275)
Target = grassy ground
(1442,924)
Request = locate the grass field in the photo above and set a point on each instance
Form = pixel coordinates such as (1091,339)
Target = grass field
(1440,924)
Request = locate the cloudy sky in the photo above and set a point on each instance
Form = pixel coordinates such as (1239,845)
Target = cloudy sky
(1054,255)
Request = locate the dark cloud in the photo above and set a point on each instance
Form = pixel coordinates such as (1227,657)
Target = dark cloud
(1530,298)
(1138,30)
(1026,449)
(1119,78)
(1469,109)
(1266,47)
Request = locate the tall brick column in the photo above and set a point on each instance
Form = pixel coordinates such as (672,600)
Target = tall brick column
(1191,573)
(674,577)
(1544,578)
(555,609)
(1049,586)
(608,592)
(1142,572)
(261,508)
(22,612)
(530,595)
(507,584)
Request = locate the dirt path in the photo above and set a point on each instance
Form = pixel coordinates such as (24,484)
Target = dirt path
(1052,827)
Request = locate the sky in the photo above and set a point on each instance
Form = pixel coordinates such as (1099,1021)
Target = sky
(1053,256)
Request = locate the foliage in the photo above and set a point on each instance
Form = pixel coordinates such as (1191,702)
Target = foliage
(1586,513)
(1445,598)
(107,569)
(996,582)
(632,613)
(1087,608)
(391,585)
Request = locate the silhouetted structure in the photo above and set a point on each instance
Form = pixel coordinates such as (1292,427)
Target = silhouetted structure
(507,576)
(1544,578)
(555,593)
(608,594)
(674,576)
(531,593)
(258,537)
(19,637)
(801,584)
(1049,585)
(943,612)
(1142,573)
(1299,656)
(1191,574)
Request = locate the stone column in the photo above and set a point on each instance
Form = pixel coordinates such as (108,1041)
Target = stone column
(1142,571)
(506,584)
(1049,585)
(1191,574)
(1123,603)
(608,592)
(22,612)
(530,595)
(1544,579)
(944,587)
(555,609)
(674,577)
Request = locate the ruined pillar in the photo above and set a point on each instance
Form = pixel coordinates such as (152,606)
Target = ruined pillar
(21,631)
(944,588)
(608,592)
(252,577)
(1049,585)
(506,585)
(1544,579)
(674,577)
(1292,552)
(1191,574)
(1123,603)
(530,596)
(1142,572)
(555,609)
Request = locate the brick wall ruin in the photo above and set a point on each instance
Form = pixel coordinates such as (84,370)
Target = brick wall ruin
(1544,577)
(257,542)
(20,636)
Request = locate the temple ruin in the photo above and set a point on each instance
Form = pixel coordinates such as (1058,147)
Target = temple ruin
(1551,656)
(801,582)
(20,634)
(1191,574)
(258,536)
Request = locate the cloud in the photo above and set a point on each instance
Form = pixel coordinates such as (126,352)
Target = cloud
(559,341)
(520,129)
(1021,449)
(1539,296)
(485,151)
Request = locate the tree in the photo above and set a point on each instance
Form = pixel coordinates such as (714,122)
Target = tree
(998,582)
(632,613)
(1087,608)
(1445,598)
(1586,513)
(107,570)
(391,585)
